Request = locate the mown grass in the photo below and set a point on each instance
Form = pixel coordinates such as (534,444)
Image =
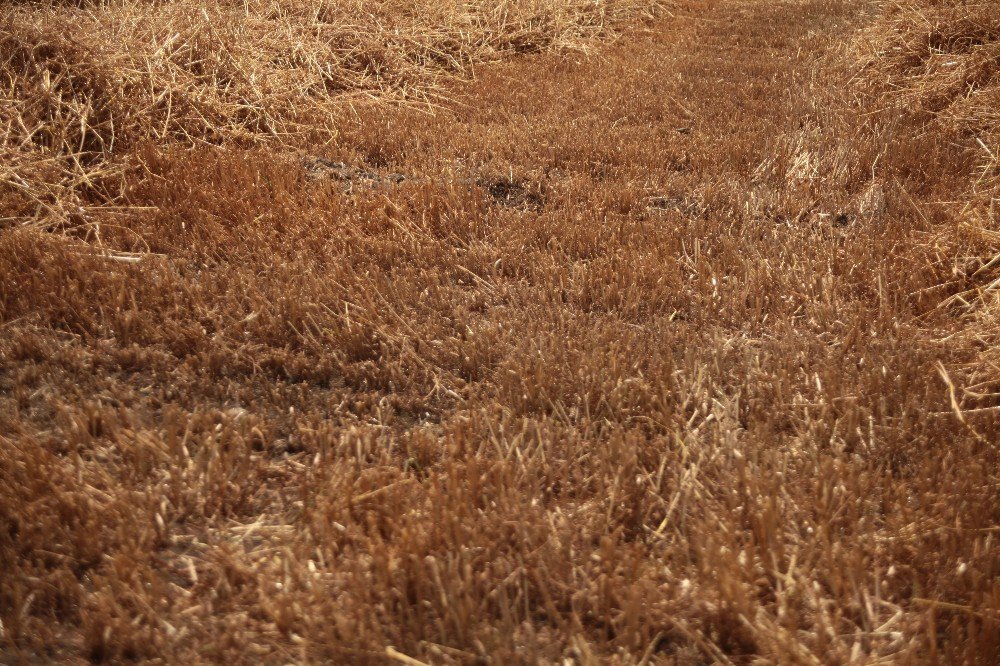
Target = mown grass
(676,352)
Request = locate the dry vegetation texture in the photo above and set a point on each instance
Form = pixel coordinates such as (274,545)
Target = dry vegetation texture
(84,82)
(935,69)
(680,351)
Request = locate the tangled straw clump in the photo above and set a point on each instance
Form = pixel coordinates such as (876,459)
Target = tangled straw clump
(939,60)
(936,65)
(84,82)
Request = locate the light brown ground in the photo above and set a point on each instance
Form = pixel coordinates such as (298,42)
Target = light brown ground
(634,367)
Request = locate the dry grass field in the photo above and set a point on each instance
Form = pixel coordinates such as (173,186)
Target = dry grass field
(500,331)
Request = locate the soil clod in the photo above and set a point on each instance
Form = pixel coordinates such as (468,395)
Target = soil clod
(510,194)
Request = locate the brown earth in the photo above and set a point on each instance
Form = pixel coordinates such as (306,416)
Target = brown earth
(633,359)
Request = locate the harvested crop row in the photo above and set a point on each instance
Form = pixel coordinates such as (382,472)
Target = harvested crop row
(84,82)
(931,74)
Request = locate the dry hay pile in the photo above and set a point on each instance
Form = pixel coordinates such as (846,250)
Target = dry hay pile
(84,82)
(934,69)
